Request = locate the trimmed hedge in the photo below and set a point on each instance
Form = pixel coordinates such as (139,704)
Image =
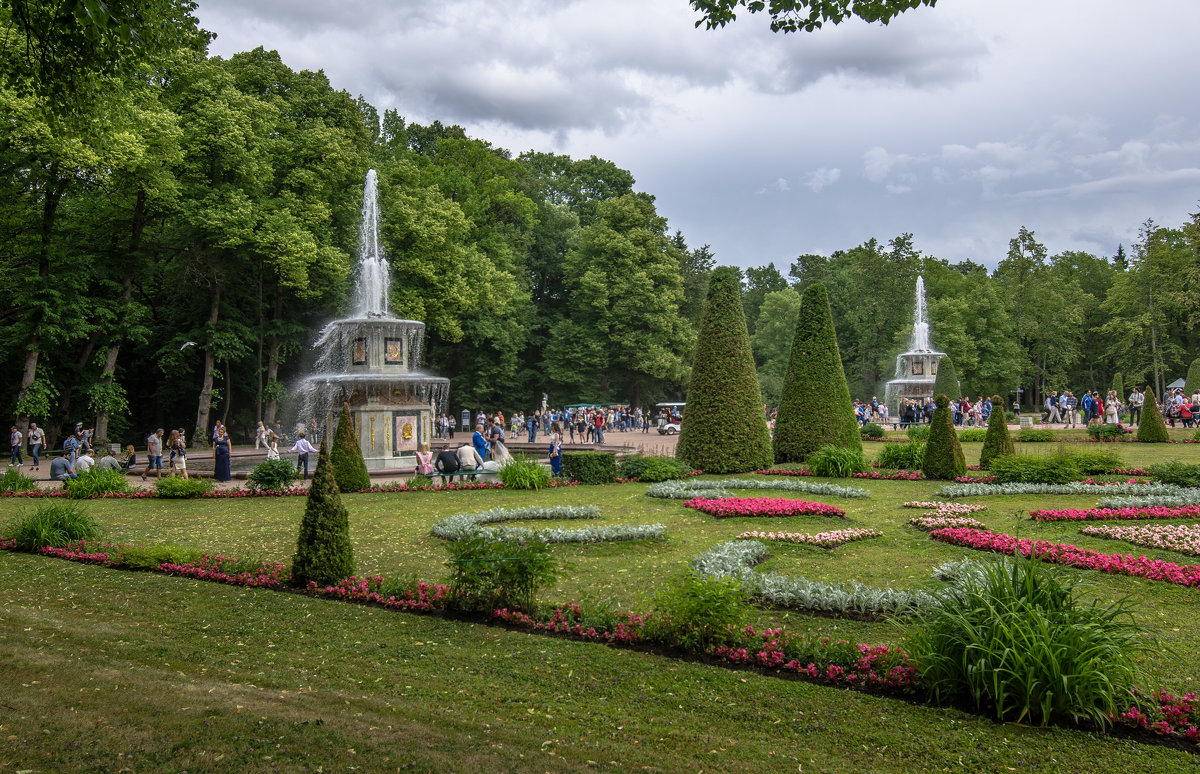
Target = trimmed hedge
(1036,435)
(652,469)
(590,467)
(972,434)
(1118,386)
(324,554)
(946,382)
(943,454)
(997,442)
(815,409)
(724,429)
(1058,469)
(349,468)
(1192,383)
(1152,428)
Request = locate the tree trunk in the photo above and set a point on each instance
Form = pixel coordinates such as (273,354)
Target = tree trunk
(273,359)
(33,346)
(200,434)
(64,405)
(114,349)
(258,366)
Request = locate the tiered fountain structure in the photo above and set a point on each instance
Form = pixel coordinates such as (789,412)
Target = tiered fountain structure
(370,360)
(916,369)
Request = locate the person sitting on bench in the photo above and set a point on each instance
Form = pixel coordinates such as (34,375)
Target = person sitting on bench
(446,463)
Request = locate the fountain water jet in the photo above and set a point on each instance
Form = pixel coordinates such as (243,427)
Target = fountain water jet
(916,369)
(369,361)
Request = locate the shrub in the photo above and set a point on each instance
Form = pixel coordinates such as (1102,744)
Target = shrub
(1152,428)
(871,430)
(1058,469)
(946,382)
(1036,435)
(836,462)
(1177,473)
(590,467)
(176,487)
(524,473)
(53,524)
(14,480)
(272,476)
(1192,383)
(1016,640)
(324,554)
(815,409)
(487,575)
(918,432)
(972,435)
(151,557)
(349,469)
(724,430)
(699,612)
(96,482)
(653,469)
(943,454)
(902,456)
(1105,432)
(1094,462)
(1118,385)
(997,442)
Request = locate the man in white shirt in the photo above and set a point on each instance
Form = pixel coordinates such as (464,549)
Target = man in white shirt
(302,448)
(468,458)
(85,461)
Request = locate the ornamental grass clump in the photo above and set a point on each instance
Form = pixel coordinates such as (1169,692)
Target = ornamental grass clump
(14,480)
(943,454)
(96,483)
(324,554)
(272,476)
(1057,469)
(486,575)
(909,455)
(1152,428)
(837,462)
(54,525)
(175,487)
(699,612)
(1093,462)
(349,468)
(723,429)
(1016,640)
(997,442)
(524,473)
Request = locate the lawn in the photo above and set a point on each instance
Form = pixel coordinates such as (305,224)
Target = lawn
(182,675)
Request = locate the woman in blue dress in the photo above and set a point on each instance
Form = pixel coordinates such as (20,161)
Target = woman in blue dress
(556,449)
(221,456)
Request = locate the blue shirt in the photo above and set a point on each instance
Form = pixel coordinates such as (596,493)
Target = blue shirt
(480,443)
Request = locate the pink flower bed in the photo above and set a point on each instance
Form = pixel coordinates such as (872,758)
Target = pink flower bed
(1184,539)
(821,539)
(566,620)
(1067,554)
(782,472)
(975,479)
(943,508)
(930,523)
(761,506)
(420,598)
(214,568)
(899,475)
(1173,715)
(1118,514)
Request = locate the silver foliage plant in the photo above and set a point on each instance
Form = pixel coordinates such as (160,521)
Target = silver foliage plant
(713,490)
(1074,488)
(1189,496)
(466,525)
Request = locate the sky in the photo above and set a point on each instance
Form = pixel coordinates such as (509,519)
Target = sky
(958,124)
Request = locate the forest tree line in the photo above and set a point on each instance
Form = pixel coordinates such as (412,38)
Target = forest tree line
(176,228)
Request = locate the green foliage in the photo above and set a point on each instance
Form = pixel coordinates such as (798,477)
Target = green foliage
(1152,428)
(349,468)
(803,15)
(918,432)
(652,469)
(871,430)
(1175,472)
(943,454)
(972,434)
(724,430)
(1036,435)
(54,524)
(14,480)
(815,409)
(1056,469)
(151,557)
(487,574)
(1018,641)
(38,399)
(590,467)
(1118,385)
(997,442)
(699,612)
(771,338)
(836,462)
(96,482)
(1192,382)
(324,553)
(176,487)
(1093,462)
(524,473)
(272,476)
(1105,432)
(902,456)
(946,382)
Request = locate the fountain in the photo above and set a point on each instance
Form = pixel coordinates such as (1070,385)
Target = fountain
(916,369)
(370,360)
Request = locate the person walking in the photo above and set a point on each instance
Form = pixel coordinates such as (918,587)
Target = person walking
(36,439)
(1136,401)
(1053,417)
(221,456)
(532,427)
(302,448)
(260,434)
(178,453)
(556,449)
(154,444)
(14,438)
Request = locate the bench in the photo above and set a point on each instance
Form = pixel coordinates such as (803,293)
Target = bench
(456,474)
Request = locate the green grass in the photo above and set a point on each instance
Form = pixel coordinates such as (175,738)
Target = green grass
(169,659)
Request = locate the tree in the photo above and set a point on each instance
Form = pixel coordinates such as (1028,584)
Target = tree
(346,459)
(724,429)
(1152,428)
(1193,378)
(946,382)
(772,340)
(943,453)
(760,280)
(806,15)
(324,554)
(815,409)
(997,442)
(1118,386)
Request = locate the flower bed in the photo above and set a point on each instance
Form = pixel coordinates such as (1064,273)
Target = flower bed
(720,488)
(930,523)
(821,539)
(417,598)
(1174,500)
(1182,538)
(1144,513)
(1073,488)
(465,525)
(943,508)
(899,475)
(1164,713)
(782,472)
(975,479)
(761,506)
(1064,553)
(273,575)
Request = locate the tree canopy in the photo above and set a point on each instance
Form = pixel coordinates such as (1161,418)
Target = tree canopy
(804,15)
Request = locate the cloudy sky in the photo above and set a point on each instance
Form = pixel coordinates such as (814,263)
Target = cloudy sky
(959,124)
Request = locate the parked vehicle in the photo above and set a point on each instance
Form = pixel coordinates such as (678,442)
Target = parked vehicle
(670,416)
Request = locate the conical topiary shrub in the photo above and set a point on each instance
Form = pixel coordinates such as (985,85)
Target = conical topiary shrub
(1118,386)
(946,382)
(724,429)
(997,442)
(943,453)
(1152,428)
(1193,378)
(814,406)
(324,554)
(349,469)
